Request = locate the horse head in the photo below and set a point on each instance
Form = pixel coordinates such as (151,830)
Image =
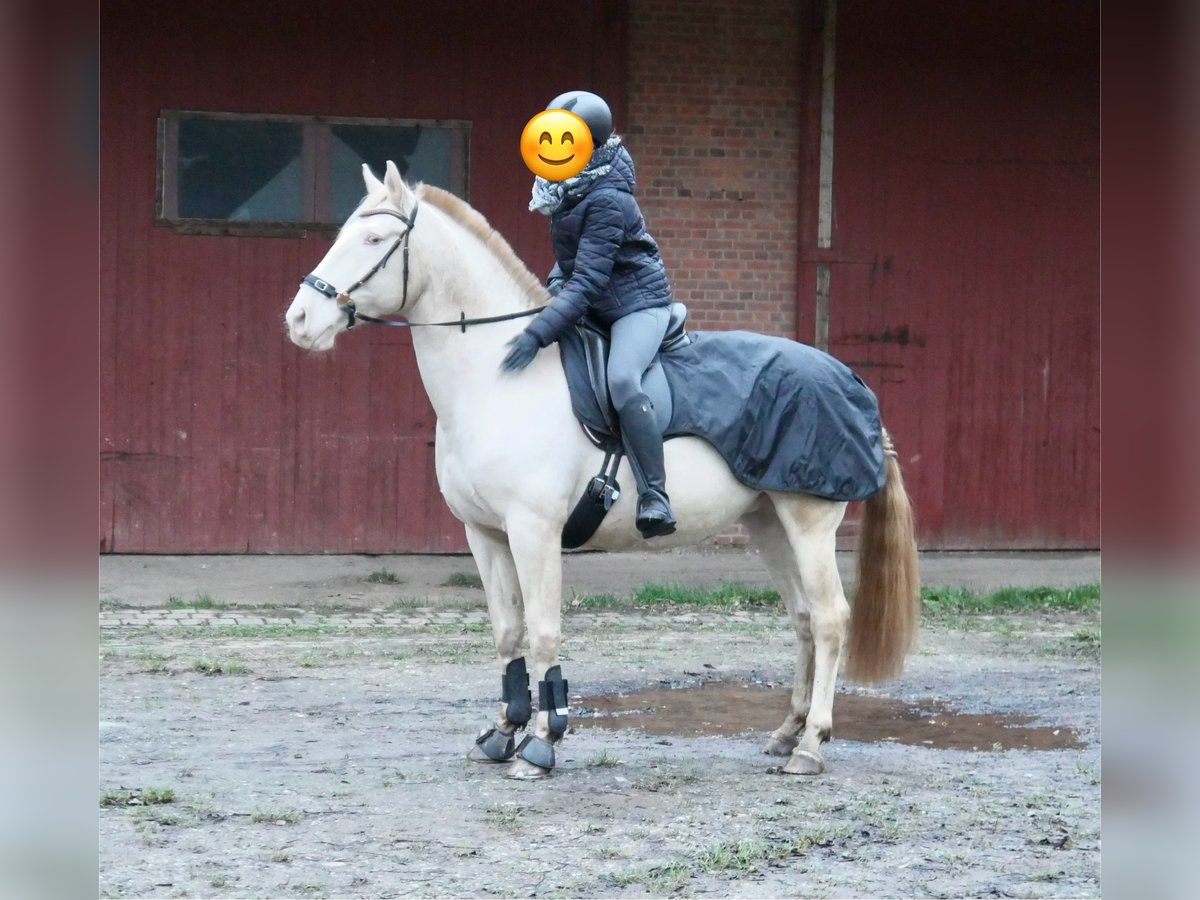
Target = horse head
(358,272)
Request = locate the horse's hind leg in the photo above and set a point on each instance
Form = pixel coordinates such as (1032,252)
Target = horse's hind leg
(537,552)
(503,590)
(811,527)
(772,541)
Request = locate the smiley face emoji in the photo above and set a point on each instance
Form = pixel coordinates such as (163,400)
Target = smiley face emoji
(556,144)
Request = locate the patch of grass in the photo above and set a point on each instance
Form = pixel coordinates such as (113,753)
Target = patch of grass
(276,816)
(137,797)
(603,760)
(266,631)
(310,889)
(950,601)
(668,879)
(476,628)
(200,601)
(726,596)
(504,815)
(464,579)
(153,663)
(664,780)
(627,877)
(161,815)
(382,576)
(748,854)
(220,667)
(742,856)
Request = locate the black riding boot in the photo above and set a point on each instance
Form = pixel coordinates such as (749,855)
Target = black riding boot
(644,447)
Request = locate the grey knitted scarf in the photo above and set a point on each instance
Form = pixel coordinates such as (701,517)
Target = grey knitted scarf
(549,195)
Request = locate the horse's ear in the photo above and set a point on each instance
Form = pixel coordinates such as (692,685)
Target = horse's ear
(373,184)
(396,187)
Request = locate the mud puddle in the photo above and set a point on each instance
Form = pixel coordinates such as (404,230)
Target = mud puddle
(722,708)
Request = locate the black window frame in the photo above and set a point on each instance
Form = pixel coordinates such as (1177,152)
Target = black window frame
(316,132)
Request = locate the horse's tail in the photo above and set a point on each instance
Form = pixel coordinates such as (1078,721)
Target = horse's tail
(887,607)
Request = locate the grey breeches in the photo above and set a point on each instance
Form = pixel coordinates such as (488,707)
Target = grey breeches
(635,339)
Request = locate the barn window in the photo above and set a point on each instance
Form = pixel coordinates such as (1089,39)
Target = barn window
(230,173)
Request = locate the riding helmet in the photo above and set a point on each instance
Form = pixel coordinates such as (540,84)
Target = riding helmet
(589,107)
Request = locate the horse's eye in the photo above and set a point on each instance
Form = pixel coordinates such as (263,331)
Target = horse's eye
(373,239)
(567,137)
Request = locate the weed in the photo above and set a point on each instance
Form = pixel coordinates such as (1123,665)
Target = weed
(463,579)
(168,817)
(307,661)
(276,816)
(1037,800)
(204,601)
(111,602)
(220,667)
(742,856)
(153,663)
(747,854)
(604,760)
(143,797)
(475,627)
(627,877)
(310,889)
(503,815)
(218,881)
(608,852)
(666,880)
(175,602)
(382,576)
(281,856)
(664,780)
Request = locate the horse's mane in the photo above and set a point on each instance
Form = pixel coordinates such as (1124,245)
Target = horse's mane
(474,222)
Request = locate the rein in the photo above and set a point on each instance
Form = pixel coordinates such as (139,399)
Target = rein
(346,304)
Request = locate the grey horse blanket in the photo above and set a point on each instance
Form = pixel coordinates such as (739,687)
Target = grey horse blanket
(783,415)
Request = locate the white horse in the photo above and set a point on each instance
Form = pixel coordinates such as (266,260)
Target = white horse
(512,460)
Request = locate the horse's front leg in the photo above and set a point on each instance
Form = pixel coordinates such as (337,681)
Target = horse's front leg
(537,552)
(503,590)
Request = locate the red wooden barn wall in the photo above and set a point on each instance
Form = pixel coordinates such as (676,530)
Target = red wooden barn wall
(965,281)
(216,434)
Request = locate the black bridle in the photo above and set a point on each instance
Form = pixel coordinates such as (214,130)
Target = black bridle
(346,304)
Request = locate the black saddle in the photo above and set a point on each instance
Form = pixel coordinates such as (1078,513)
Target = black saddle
(585,361)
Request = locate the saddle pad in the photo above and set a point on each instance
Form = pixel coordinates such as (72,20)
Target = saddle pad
(784,416)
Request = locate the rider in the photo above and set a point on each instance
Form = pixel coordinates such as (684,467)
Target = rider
(609,268)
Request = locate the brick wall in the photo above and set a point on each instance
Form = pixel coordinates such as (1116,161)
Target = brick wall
(712,121)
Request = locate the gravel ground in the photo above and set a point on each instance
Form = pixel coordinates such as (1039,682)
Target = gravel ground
(327,757)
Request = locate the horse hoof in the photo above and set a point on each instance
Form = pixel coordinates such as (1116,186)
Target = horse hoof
(804,762)
(779,745)
(523,770)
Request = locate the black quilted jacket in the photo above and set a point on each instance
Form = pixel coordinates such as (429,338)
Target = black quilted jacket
(609,264)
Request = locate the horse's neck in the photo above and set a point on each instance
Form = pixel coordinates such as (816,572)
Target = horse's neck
(461,370)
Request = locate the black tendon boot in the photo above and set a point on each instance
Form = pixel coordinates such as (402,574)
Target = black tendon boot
(644,447)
